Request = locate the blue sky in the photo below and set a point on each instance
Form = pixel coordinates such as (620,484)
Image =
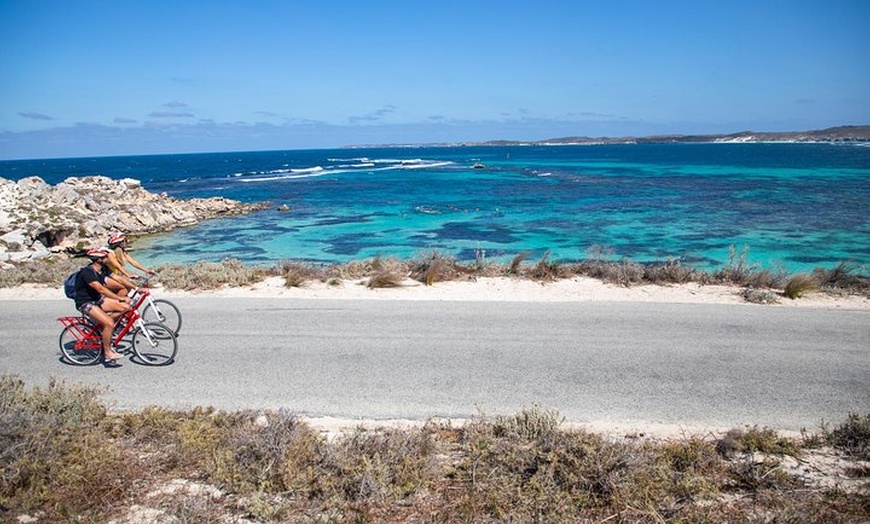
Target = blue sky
(93,78)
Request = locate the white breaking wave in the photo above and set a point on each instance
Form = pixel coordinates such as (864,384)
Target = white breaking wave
(423,166)
(315,169)
(361,165)
(364,164)
(281,177)
(359,159)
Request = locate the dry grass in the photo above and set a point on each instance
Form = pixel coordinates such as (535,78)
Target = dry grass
(738,270)
(517,262)
(436,267)
(800,285)
(296,274)
(759,285)
(210,275)
(50,271)
(385,279)
(842,279)
(66,458)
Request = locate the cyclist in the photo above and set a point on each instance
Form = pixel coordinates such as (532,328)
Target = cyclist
(95,300)
(118,278)
(119,257)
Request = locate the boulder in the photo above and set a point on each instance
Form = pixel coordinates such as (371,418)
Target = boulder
(37,219)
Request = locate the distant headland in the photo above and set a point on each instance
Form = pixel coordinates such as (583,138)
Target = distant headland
(840,134)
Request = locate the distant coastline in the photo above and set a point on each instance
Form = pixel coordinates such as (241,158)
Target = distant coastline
(840,134)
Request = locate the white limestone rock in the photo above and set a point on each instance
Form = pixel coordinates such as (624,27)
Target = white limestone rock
(37,219)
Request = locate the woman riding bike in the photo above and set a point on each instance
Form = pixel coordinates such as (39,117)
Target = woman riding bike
(118,260)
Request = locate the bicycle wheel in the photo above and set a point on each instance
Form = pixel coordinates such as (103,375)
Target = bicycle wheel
(154,344)
(85,353)
(165,312)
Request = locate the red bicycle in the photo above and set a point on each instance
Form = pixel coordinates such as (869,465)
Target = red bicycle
(153,343)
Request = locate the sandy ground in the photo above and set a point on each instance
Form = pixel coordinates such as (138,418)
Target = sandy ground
(577,289)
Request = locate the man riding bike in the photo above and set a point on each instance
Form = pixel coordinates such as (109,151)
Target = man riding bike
(94,299)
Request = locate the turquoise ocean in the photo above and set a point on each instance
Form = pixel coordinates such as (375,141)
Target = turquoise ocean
(793,206)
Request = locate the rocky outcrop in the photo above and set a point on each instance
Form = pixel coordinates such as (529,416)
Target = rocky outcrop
(37,219)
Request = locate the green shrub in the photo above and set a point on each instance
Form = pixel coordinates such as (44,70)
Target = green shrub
(64,458)
(853,436)
(755,440)
(759,296)
(54,455)
(530,424)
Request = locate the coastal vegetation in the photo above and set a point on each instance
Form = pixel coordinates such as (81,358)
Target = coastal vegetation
(66,457)
(754,284)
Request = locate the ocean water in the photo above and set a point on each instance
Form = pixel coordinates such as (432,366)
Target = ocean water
(793,206)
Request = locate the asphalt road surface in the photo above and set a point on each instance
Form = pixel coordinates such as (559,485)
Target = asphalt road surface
(615,363)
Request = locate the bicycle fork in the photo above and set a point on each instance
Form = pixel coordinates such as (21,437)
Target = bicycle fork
(140,324)
(153,305)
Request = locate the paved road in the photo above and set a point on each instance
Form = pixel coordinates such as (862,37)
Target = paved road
(625,363)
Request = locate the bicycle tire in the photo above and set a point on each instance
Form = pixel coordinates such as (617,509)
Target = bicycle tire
(86,354)
(164,312)
(158,348)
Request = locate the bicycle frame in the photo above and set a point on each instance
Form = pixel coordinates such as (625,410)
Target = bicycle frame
(88,334)
(153,343)
(143,295)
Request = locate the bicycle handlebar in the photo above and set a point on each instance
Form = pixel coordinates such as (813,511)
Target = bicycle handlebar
(145,281)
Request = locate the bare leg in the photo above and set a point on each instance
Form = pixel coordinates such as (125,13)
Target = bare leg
(114,308)
(102,318)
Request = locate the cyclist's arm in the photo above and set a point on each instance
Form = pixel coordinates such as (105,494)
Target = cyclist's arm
(106,292)
(133,262)
(122,280)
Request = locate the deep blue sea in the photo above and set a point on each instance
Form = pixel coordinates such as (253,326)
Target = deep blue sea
(794,206)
